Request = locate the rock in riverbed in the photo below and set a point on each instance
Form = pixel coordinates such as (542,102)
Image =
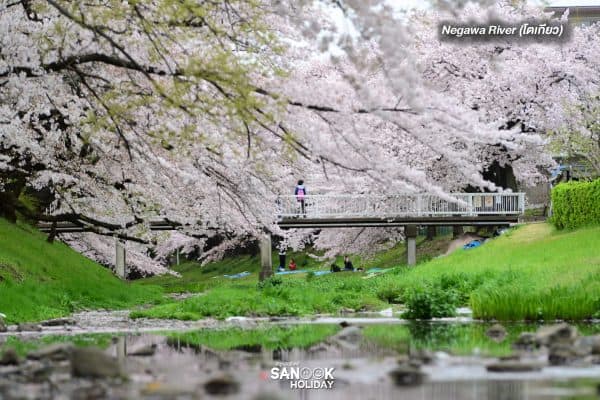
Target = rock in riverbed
(222,385)
(591,344)
(420,356)
(94,363)
(496,332)
(556,334)
(350,334)
(27,327)
(9,357)
(160,390)
(95,391)
(407,375)
(565,353)
(525,341)
(514,366)
(59,322)
(3,327)
(53,352)
(144,351)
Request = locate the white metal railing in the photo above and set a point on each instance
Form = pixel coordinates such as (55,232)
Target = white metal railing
(400,205)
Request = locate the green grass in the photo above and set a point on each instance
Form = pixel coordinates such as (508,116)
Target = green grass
(453,338)
(23,345)
(198,278)
(41,280)
(272,337)
(325,294)
(530,273)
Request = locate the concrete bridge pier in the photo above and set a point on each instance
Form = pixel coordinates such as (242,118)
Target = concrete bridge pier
(120,259)
(410,231)
(266,261)
(121,349)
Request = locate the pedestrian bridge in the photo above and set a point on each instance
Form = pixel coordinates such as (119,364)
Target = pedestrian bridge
(366,210)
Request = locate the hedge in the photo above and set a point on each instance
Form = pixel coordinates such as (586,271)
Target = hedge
(576,204)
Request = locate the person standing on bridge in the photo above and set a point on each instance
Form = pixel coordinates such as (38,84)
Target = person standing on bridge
(300,193)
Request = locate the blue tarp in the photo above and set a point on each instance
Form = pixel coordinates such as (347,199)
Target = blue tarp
(470,245)
(236,276)
(296,271)
(319,273)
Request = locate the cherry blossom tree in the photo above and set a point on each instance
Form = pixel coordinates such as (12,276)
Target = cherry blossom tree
(122,111)
(114,113)
(518,94)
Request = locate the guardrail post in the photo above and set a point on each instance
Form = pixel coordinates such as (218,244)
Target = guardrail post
(470,206)
(266,262)
(410,231)
(522,203)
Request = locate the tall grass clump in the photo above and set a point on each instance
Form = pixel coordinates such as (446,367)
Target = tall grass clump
(519,301)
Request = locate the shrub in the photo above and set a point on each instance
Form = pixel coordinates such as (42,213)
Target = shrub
(426,302)
(270,282)
(576,204)
(390,292)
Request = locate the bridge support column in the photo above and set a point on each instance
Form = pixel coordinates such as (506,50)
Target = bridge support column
(121,349)
(120,261)
(410,231)
(457,230)
(266,262)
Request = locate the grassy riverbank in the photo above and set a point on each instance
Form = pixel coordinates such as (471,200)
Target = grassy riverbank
(531,273)
(41,280)
(534,272)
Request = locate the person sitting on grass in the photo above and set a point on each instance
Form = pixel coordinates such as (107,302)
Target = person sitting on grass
(348,264)
(292,265)
(335,268)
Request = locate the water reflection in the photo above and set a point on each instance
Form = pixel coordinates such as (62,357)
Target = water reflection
(361,369)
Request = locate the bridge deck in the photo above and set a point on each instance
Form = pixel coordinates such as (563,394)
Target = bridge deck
(334,211)
(322,211)
(490,220)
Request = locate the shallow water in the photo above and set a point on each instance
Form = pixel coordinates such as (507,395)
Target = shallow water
(460,353)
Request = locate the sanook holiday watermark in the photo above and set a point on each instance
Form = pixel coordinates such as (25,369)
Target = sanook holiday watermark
(300,377)
(532,30)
